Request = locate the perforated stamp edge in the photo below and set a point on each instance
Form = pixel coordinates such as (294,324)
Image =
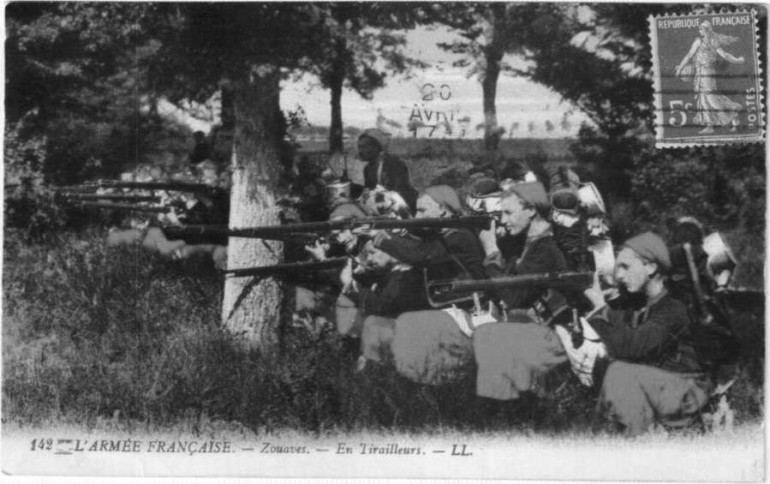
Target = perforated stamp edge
(684,142)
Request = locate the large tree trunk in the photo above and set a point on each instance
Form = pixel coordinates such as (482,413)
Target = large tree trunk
(252,310)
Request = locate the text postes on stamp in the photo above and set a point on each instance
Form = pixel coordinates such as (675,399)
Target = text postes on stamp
(707,79)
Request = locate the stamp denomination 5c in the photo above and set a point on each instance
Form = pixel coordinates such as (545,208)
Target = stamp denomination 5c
(707,79)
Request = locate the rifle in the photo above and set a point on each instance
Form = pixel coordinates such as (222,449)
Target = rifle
(699,298)
(555,280)
(280,232)
(71,197)
(196,188)
(290,268)
(125,206)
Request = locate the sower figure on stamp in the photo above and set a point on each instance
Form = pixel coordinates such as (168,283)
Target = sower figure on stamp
(714,109)
(655,375)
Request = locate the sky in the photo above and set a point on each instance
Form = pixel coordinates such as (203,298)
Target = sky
(455,95)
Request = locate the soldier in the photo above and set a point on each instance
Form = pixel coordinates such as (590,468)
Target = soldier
(446,253)
(524,211)
(655,374)
(509,357)
(383,168)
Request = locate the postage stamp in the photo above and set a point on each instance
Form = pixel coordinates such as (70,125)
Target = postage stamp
(707,79)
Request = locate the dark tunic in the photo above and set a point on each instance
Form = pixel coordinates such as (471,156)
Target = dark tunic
(396,292)
(541,255)
(446,255)
(394,176)
(657,334)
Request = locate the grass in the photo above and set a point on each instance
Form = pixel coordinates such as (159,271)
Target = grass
(93,335)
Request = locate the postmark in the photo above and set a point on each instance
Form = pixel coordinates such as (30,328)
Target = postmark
(707,79)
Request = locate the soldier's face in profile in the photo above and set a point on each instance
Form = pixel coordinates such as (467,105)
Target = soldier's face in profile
(345,237)
(379,261)
(368,148)
(632,272)
(428,208)
(514,217)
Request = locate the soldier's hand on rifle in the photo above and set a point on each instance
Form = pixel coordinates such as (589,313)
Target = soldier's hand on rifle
(378,236)
(317,250)
(488,239)
(595,294)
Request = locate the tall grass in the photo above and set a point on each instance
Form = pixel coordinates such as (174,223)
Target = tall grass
(94,334)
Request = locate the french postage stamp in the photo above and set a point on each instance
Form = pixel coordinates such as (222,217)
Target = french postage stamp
(707,79)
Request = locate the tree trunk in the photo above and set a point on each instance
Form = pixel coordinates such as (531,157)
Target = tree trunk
(335,84)
(250,308)
(489,89)
(493,55)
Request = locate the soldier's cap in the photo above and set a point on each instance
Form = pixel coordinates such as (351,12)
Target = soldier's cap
(483,186)
(378,135)
(651,247)
(445,196)
(534,194)
(347,210)
(565,200)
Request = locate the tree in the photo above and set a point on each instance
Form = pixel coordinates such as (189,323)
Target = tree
(73,71)
(486,35)
(248,48)
(360,48)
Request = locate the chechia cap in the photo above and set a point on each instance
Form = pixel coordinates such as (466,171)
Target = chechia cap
(534,194)
(378,135)
(651,247)
(445,196)
(347,210)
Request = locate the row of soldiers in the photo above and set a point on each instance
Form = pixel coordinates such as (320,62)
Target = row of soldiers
(626,334)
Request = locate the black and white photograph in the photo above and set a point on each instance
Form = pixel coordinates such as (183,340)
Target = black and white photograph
(411,240)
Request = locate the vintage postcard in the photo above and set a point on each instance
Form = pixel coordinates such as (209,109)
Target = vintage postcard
(708,83)
(384,240)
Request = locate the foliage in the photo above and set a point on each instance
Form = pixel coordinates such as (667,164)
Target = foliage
(77,75)
(28,204)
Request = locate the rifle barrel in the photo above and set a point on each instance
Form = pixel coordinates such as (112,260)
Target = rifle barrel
(124,206)
(578,280)
(282,231)
(289,268)
(200,188)
(110,196)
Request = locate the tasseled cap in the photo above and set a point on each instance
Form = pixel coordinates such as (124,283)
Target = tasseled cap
(378,135)
(650,247)
(445,196)
(534,194)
